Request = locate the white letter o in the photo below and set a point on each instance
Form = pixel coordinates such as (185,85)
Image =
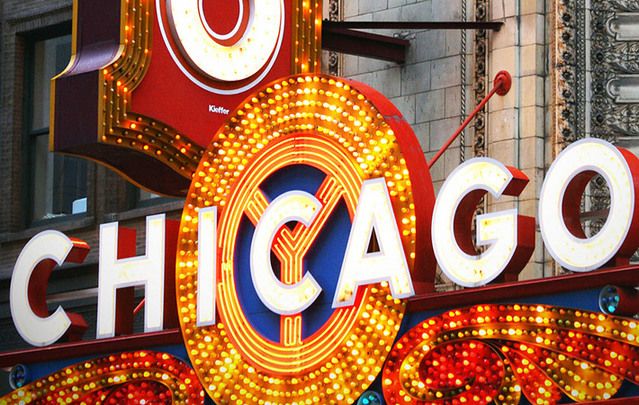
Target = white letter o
(210,53)
(576,252)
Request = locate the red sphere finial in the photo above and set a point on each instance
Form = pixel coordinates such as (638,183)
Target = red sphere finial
(503,82)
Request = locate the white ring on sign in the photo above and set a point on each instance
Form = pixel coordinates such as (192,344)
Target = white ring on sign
(255,26)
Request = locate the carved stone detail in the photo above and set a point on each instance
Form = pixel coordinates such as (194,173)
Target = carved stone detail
(615,69)
(333,57)
(481,78)
(567,126)
(614,82)
(611,79)
(615,79)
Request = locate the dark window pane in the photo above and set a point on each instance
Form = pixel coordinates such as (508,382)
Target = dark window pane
(69,185)
(59,183)
(42,178)
(50,57)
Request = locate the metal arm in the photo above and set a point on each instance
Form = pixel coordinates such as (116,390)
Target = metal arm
(501,86)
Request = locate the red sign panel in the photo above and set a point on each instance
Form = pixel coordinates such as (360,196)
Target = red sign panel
(150,83)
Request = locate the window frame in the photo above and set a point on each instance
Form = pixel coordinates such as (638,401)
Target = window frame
(29,135)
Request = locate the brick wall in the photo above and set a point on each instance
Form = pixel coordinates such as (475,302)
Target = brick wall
(108,194)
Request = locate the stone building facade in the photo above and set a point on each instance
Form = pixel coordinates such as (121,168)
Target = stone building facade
(573,64)
(445,76)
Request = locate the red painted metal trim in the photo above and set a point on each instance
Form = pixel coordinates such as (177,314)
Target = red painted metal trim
(90,347)
(622,276)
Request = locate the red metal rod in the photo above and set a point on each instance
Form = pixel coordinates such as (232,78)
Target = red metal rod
(501,86)
(139,307)
(81,348)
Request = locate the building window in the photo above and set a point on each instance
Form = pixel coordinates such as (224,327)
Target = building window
(139,198)
(58,183)
(147,196)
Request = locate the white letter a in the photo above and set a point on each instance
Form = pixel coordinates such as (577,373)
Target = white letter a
(374,212)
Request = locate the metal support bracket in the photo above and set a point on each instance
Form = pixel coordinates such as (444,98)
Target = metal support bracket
(341,36)
(364,44)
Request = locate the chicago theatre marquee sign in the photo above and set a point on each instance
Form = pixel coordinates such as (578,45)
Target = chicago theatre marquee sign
(302,270)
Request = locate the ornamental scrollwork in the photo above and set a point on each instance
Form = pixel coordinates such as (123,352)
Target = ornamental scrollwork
(503,353)
(615,71)
(596,81)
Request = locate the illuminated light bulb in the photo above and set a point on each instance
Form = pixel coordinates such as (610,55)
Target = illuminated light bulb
(289,122)
(117,377)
